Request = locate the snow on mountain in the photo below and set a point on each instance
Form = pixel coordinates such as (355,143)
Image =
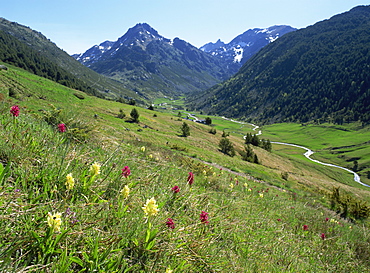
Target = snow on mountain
(94,53)
(245,45)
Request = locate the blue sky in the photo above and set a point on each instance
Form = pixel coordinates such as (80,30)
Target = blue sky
(76,25)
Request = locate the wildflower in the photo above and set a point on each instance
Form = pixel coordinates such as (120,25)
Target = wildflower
(326,219)
(95,169)
(126,171)
(150,156)
(190,178)
(62,127)
(70,181)
(249,189)
(204,217)
(176,189)
(305,227)
(14,110)
(54,221)
(17,190)
(142,149)
(204,172)
(323,236)
(231,186)
(170,223)
(72,215)
(261,195)
(245,185)
(150,208)
(125,191)
(279,220)
(169,270)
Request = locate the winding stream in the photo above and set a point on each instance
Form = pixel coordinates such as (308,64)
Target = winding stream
(307,154)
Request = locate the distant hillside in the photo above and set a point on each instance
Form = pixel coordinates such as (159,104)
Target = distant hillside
(321,72)
(41,47)
(151,64)
(17,53)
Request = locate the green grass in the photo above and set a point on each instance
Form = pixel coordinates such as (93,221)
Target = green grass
(256,218)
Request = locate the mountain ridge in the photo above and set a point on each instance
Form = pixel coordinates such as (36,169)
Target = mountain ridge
(149,63)
(319,73)
(245,45)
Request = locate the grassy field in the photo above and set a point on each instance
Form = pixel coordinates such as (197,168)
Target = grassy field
(68,203)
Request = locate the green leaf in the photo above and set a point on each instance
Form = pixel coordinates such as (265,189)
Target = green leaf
(77,261)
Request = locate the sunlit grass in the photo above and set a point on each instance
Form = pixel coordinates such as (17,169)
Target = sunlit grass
(257,221)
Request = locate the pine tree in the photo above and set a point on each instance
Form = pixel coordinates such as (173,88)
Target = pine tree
(185,129)
(134,115)
(227,147)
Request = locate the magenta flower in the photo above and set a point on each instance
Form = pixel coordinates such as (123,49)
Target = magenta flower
(62,127)
(326,219)
(14,110)
(190,178)
(279,219)
(305,227)
(126,171)
(176,189)
(170,223)
(204,217)
(323,236)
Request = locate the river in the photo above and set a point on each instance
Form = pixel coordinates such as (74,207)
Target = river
(307,154)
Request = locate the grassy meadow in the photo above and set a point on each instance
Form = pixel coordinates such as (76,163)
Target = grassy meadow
(111,195)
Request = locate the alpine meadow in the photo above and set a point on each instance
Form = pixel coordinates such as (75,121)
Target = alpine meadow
(161,157)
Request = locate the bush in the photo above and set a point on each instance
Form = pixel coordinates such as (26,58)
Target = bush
(212,131)
(121,114)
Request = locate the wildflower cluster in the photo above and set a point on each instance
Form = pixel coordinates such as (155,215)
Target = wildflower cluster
(126,172)
(14,110)
(54,221)
(150,208)
(95,169)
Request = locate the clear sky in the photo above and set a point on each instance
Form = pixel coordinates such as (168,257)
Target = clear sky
(77,25)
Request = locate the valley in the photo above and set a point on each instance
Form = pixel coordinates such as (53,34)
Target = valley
(151,155)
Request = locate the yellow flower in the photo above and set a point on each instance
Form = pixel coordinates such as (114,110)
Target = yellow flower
(261,195)
(169,270)
(54,221)
(95,169)
(231,186)
(249,189)
(245,185)
(150,156)
(70,181)
(142,149)
(204,172)
(125,191)
(150,208)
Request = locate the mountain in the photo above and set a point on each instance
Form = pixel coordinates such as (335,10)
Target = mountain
(245,45)
(43,48)
(151,64)
(94,53)
(318,73)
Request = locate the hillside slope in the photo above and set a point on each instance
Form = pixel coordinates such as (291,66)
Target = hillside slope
(47,49)
(319,73)
(107,194)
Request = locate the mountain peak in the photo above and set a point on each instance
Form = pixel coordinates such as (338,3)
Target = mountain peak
(245,45)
